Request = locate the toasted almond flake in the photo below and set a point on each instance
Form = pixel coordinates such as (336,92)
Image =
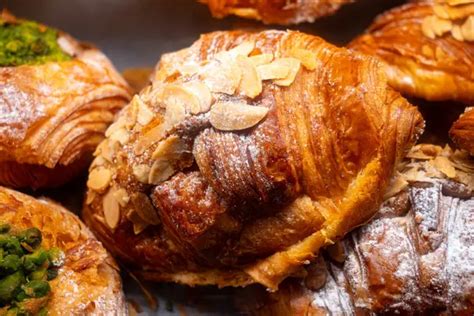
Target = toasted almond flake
(427,27)
(467,29)
(160,171)
(132,110)
(144,113)
(261,59)
(178,97)
(99,179)
(203,95)
(98,162)
(171,147)
(120,135)
(440,11)
(90,197)
(120,123)
(308,58)
(459,2)
(139,224)
(111,209)
(188,69)
(275,70)
(243,49)
(234,116)
(456,33)
(294,65)
(397,184)
(441,26)
(142,205)
(445,166)
(250,83)
(121,196)
(222,77)
(141,173)
(150,137)
(174,115)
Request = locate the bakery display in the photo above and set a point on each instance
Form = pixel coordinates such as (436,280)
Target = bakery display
(275,11)
(50,263)
(428,47)
(57,97)
(247,154)
(462,131)
(413,258)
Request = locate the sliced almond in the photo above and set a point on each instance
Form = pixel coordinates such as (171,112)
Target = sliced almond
(467,29)
(188,69)
(234,116)
(144,113)
(120,135)
(441,26)
(132,110)
(308,58)
(445,166)
(139,224)
(90,197)
(222,76)
(250,83)
(459,2)
(456,33)
(170,147)
(99,179)
(243,49)
(294,65)
(275,70)
(203,94)
(161,170)
(150,137)
(427,27)
(142,205)
(141,173)
(261,59)
(121,196)
(440,11)
(111,209)
(178,97)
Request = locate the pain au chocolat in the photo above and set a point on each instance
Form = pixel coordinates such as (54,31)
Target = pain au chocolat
(413,258)
(247,154)
(428,47)
(57,97)
(275,11)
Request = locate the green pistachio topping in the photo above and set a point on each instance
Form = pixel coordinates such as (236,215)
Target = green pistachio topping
(27,42)
(25,269)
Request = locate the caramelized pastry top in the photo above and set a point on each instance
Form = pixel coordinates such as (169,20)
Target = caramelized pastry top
(275,11)
(428,48)
(247,153)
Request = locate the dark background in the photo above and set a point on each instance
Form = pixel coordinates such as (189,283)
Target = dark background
(134,33)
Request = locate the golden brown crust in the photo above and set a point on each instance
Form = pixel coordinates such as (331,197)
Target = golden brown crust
(428,49)
(411,259)
(55,114)
(247,195)
(275,11)
(89,282)
(462,131)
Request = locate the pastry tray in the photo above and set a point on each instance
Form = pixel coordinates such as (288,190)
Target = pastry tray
(134,33)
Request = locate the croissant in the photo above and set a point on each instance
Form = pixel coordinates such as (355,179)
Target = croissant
(428,48)
(57,97)
(88,282)
(413,258)
(248,153)
(462,131)
(275,11)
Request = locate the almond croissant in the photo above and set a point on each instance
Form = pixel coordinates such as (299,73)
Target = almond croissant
(57,97)
(248,153)
(413,258)
(428,48)
(275,11)
(462,131)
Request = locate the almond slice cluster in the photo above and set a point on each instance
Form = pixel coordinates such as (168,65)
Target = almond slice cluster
(451,16)
(224,86)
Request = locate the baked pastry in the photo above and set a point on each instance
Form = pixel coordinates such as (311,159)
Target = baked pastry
(413,258)
(248,153)
(428,48)
(462,131)
(275,11)
(87,281)
(57,97)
